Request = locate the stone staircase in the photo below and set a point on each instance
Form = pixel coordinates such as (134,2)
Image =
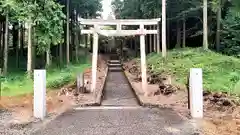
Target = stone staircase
(115,66)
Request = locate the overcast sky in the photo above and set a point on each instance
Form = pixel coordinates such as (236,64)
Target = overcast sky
(106,8)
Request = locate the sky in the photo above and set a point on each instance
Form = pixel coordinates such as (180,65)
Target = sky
(106,8)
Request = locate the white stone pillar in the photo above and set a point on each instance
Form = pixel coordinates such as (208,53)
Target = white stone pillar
(196,92)
(39,110)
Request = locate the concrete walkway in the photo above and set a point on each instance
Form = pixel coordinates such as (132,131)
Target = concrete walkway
(128,121)
(117,91)
(119,114)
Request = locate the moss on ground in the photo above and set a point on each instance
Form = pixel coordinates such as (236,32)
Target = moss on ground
(220,72)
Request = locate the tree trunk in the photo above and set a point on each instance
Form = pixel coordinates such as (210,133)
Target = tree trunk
(164,46)
(48,57)
(61,52)
(86,40)
(135,40)
(155,40)
(147,44)
(205,25)
(184,33)
(22,39)
(219,17)
(155,27)
(76,38)
(5,65)
(33,47)
(168,34)
(15,42)
(18,44)
(67,34)
(29,60)
(91,42)
(158,38)
(72,37)
(178,45)
(76,46)
(1,44)
(150,41)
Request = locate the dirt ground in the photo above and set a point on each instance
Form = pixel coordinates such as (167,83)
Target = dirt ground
(221,112)
(58,100)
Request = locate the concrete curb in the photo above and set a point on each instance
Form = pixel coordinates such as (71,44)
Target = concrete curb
(149,105)
(99,95)
(132,88)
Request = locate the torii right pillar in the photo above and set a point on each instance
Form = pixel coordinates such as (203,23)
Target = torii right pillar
(143,60)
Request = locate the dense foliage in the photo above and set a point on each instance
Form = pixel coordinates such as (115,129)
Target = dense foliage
(45,16)
(37,29)
(35,34)
(231,30)
(224,12)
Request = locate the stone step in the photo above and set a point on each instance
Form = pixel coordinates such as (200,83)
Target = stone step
(115,69)
(114,61)
(114,65)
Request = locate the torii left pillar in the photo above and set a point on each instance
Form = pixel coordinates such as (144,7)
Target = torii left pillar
(94,60)
(143,60)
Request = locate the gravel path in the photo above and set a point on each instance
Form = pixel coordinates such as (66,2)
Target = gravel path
(7,128)
(136,121)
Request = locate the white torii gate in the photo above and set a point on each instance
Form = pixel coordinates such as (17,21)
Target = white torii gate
(119,32)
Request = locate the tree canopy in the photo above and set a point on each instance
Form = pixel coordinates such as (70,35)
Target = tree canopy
(190,11)
(44,23)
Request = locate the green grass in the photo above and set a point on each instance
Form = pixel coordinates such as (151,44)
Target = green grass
(220,72)
(17,83)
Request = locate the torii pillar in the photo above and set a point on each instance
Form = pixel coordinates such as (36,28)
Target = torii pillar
(94,60)
(143,60)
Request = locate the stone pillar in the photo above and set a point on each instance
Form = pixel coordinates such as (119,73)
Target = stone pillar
(39,106)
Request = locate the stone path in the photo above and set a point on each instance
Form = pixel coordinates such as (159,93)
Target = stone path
(128,121)
(117,91)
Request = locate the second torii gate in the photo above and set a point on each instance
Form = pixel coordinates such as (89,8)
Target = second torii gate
(119,32)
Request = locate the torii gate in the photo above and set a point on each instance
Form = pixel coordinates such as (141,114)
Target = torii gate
(119,32)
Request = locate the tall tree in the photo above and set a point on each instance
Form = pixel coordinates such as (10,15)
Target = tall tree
(219,18)
(205,24)
(5,65)
(164,45)
(67,34)
(29,56)
(18,43)
(178,45)
(184,32)
(6,6)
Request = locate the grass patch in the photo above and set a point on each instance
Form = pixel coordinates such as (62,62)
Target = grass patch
(17,83)
(220,72)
